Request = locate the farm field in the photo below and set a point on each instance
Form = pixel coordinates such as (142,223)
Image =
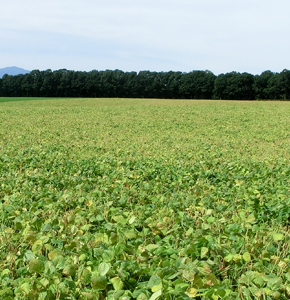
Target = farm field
(144,199)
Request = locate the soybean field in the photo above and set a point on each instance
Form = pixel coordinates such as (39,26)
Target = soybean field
(144,199)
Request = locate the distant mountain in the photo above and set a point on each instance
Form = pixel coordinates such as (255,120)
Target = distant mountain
(12,71)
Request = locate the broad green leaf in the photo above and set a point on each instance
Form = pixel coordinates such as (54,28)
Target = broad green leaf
(99,282)
(154,280)
(211,220)
(274,283)
(103,268)
(46,227)
(228,258)
(203,252)
(37,246)
(74,229)
(156,295)
(278,237)
(188,275)
(151,247)
(25,287)
(259,281)
(132,220)
(117,283)
(120,219)
(86,275)
(130,234)
(5,272)
(69,270)
(49,268)
(4,291)
(59,262)
(29,255)
(36,266)
(237,258)
(56,252)
(82,257)
(142,296)
(156,288)
(87,296)
(247,257)
(189,231)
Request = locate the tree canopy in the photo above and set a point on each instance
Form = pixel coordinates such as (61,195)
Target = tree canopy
(147,84)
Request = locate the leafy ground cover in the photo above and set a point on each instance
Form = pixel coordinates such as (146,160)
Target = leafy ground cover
(144,199)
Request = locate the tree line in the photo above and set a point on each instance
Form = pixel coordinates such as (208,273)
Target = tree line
(147,84)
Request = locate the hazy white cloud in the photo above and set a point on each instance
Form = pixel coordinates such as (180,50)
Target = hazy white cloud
(222,36)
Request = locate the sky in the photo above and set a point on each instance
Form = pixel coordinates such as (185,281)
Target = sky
(156,35)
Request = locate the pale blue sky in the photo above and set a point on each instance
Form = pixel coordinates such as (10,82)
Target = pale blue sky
(156,35)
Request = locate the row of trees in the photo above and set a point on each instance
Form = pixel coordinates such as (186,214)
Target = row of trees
(146,84)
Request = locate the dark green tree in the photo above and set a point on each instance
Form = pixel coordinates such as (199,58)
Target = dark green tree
(262,85)
(234,86)
(197,85)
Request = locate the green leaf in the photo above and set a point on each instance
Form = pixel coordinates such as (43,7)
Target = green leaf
(36,266)
(25,287)
(120,220)
(130,234)
(4,291)
(104,268)
(86,275)
(117,283)
(151,247)
(228,258)
(54,253)
(69,270)
(46,227)
(82,257)
(278,237)
(59,262)
(156,295)
(37,246)
(189,231)
(99,282)
(132,220)
(5,272)
(154,280)
(247,257)
(188,275)
(211,220)
(203,252)
(274,283)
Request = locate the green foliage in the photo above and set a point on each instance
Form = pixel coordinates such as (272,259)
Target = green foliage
(146,84)
(142,200)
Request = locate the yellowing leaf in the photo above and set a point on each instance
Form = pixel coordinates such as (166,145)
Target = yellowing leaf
(54,253)
(247,257)
(191,293)
(278,237)
(156,288)
(228,258)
